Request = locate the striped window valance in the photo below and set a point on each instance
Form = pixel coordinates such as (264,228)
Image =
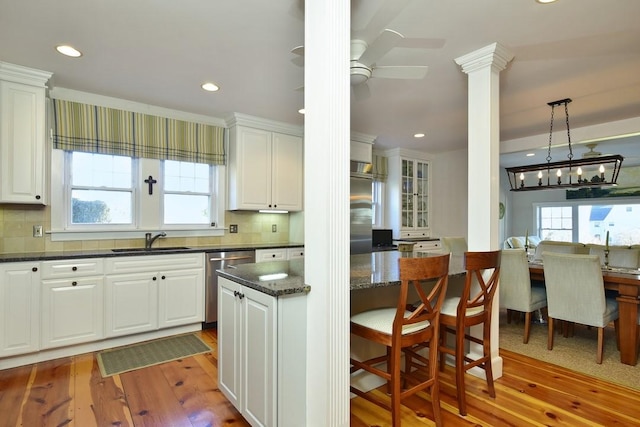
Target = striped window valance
(379,168)
(95,129)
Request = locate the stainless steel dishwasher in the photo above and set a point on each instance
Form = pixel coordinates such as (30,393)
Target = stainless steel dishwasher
(216,261)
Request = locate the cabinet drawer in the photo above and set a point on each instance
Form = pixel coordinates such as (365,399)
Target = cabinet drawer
(413,234)
(71,268)
(278,254)
(427,246)
(293,253)
(136,264)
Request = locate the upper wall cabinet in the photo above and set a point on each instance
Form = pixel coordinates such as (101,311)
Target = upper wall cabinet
(408,190)
(23,147)
(265,168)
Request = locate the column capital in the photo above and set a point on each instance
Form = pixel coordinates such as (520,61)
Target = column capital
(495,55)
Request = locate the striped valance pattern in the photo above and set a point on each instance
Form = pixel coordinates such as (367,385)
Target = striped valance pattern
(95,129)
(379,168)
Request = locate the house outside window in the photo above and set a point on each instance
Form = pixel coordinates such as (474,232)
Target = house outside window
(589,221)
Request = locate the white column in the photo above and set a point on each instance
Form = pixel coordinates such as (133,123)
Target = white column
(326,209)
(483,67)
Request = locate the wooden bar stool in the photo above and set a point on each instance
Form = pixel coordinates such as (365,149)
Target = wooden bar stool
(471,308)
(400,328)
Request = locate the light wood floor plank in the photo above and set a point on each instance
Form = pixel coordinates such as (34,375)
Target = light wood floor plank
(71,392)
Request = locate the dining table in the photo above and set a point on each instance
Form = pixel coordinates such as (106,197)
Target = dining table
(626,282)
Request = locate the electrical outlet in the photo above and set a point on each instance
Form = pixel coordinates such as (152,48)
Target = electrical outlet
(233,228)
(274,228)
(37,231)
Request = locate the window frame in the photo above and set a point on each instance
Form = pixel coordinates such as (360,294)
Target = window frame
(148,211)
(575,204)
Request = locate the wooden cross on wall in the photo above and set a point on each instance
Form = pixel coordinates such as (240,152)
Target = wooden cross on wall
(150,181)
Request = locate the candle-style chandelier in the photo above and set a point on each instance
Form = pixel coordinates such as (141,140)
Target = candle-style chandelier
(585,172)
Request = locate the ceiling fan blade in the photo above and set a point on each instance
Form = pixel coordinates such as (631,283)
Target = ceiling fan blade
(367,23)
(400,72)
(387,40)
(361,92)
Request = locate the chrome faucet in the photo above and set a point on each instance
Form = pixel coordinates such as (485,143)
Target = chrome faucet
(148,240)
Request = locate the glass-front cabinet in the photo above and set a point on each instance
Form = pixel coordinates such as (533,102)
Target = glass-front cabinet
(415,196)
(408,188)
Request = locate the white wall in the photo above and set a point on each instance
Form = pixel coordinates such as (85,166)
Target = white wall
(449,194)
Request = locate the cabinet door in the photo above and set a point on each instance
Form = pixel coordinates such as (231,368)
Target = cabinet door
(229,340)
(19,308)
(131,303)
(250,170)
(287,172)
(72,311)
(22,143)
(181,299)
(259,363)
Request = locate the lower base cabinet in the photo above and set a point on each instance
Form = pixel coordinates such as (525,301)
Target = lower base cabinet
(262,354)
(19,308)
(72,311)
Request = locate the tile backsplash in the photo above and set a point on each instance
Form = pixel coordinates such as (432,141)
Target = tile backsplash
(17,222)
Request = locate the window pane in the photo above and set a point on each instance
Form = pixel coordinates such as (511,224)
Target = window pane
(621,221)
(100,170)
(101,207)
(186,209)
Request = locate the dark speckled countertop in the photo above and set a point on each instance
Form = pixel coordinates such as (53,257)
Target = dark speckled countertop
(373,270)
(103,253)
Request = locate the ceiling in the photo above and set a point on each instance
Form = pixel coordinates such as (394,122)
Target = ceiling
(159,52)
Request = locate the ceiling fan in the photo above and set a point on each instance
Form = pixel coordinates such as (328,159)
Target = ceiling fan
(364,58)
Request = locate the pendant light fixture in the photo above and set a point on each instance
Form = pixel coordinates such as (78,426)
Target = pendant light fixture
(571,173)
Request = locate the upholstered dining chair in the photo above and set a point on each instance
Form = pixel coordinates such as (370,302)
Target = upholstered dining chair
(454,245)
(516,292)
(400,328)
(575,293)
(472,307)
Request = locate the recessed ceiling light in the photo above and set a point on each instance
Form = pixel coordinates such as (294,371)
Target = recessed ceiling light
(545,1)
(210,87)
(68,51)
(301,111)
(531,154)
(419,135)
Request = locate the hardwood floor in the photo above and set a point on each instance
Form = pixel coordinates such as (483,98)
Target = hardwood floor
(71,392)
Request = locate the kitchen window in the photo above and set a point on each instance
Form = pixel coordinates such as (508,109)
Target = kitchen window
(101,196)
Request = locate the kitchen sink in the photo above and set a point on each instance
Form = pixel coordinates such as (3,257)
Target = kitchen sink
(158,249)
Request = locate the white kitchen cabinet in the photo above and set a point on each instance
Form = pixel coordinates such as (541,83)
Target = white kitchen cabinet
(23,147)
(294,253)
(145,293)
(261,344)
(72,311)
(427,246)
(19,308)
(275,254)
(131,303)
(279,254)
(408,201)
(246,351)
(72,301)
(265,170)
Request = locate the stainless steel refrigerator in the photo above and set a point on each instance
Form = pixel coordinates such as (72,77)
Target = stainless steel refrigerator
(361,208)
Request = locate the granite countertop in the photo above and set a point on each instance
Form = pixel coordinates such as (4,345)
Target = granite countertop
(102,253)
(367,271)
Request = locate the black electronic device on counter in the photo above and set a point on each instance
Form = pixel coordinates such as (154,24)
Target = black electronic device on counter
(382,239)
